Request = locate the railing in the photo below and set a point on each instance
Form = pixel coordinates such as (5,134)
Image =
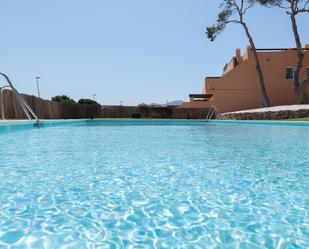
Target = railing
(24,105)
(211,113)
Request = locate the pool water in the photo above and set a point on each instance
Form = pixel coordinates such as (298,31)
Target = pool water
(155,185)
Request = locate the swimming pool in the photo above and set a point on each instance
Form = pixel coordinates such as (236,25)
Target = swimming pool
(154,184)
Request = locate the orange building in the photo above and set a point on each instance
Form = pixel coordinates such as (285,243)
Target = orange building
(238,88)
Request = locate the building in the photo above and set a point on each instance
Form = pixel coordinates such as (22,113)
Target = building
(238,88)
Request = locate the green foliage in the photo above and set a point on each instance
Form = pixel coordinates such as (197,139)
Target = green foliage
(212,32)
(232,11)
(291,6)
(63,99)
(269,2)
(223,19)
(68,100)
(88,102)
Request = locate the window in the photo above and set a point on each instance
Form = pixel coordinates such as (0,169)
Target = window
(289,73)
(307,72)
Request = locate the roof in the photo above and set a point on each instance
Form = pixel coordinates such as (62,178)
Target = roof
(280,49)
(205,96)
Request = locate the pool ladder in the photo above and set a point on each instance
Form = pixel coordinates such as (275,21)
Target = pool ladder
(24,105)
(211,113)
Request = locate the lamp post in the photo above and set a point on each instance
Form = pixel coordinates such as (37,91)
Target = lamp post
(37,85)
(94,97)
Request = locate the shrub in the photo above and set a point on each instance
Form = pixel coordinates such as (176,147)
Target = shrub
(88,102)
(63,99)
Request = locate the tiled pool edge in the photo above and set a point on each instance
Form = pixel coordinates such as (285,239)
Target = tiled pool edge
(15,125)
(11,125)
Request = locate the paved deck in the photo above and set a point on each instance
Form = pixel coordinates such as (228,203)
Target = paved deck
(275,109)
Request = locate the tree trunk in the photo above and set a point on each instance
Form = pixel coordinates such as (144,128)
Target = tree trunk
(298,87)
(265,98)
(303,87)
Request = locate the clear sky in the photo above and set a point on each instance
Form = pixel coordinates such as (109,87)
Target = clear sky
(131,51)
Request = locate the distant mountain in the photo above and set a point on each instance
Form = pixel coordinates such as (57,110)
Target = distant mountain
(174,103)
(154,105)
(171,103)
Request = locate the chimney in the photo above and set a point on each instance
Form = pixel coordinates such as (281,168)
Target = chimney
(248,54)
(307,46)
(238,55)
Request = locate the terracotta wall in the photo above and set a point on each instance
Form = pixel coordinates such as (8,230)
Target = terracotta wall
(190,113)
(238,89)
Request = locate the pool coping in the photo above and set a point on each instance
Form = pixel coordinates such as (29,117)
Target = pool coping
(6,124)
(44,121)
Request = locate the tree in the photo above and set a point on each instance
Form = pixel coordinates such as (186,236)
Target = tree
(233,11)
(63,99)
(293,8)
(88,102)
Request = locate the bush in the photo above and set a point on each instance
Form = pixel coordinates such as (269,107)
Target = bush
(88,102)
(63,99)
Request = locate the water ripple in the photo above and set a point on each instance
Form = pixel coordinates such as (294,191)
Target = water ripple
(125,186)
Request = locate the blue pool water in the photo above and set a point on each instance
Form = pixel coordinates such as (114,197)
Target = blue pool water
(154,185)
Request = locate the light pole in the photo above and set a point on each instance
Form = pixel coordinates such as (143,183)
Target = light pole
(94,97)
(37,85)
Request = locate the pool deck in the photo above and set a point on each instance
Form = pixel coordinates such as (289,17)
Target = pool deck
(274,109)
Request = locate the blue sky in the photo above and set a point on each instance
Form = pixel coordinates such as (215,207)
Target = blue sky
(131,51)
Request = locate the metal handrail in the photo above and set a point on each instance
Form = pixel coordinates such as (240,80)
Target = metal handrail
(25,106)
(212,111)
